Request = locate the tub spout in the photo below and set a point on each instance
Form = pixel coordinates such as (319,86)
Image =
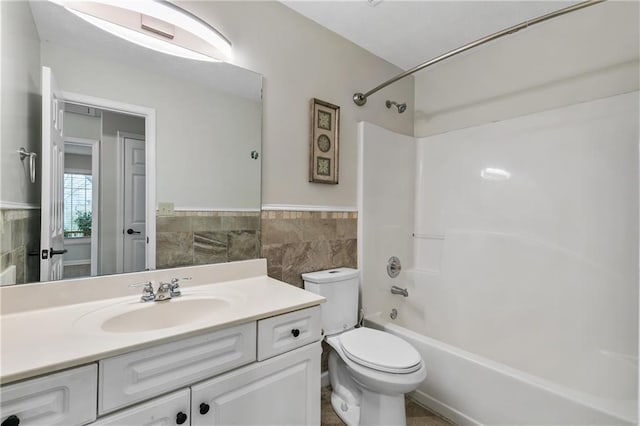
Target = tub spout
(398,290)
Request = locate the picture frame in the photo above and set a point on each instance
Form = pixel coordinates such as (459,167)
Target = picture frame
(325,140)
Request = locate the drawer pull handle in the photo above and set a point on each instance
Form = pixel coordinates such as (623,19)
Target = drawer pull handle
(11,421)
(204,408)
(295,332)
(181,418)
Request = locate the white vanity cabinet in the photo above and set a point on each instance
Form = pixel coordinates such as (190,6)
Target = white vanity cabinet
(66,398)
(257,373)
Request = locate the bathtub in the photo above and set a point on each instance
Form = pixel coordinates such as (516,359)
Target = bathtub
(470,389)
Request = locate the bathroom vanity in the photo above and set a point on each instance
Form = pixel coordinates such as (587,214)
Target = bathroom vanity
(236,347)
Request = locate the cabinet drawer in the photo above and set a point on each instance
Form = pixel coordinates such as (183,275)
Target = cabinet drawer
(282,333)
(135,376)
(171,409)
(65,398)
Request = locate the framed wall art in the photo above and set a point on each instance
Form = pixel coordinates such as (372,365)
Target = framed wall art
(323,153)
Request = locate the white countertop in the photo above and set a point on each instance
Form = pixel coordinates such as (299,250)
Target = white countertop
(39,341)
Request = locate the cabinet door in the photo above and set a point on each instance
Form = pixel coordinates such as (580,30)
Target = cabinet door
(66,398)
(284,390)
(172,409)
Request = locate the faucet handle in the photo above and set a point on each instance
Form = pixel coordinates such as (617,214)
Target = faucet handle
(147,290)
(175,287)
(141,284)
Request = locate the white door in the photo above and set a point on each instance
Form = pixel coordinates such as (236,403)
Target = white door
(51,224)
(135,239)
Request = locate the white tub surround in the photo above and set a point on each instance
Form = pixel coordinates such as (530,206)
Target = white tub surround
(520,256)
(50,326)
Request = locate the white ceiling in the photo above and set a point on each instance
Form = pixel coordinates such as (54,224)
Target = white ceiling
(407,33)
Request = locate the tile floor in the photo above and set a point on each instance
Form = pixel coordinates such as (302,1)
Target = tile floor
(416,414)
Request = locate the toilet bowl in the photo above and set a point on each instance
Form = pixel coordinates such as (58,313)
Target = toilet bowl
(369,386)
(370,370)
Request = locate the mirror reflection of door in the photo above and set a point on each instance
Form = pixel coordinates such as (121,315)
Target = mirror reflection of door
(133,212)
(104,191)
(51,230)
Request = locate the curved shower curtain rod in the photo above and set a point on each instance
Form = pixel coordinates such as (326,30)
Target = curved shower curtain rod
(361,98)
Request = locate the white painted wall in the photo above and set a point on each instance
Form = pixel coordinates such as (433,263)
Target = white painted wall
(386,197)
(204,137)
(538,271)
(19,102)
(585,55)
(82,126)
(301,60)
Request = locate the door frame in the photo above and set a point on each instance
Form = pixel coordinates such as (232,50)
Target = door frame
(149,114)
(95,186)
(120,192)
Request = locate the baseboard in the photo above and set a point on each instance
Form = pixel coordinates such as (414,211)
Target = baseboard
(443,409)
(324,379)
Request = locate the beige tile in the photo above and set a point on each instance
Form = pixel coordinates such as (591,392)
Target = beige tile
(174,249)
(206,223)
(243,245)
(305,257)
(173,224)
(344,253)
(210,247)
(280,231)
(318,229)
(346,229)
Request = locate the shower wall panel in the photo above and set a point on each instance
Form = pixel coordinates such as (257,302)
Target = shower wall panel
(526,247)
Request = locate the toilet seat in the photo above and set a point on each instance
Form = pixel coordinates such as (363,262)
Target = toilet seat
(380,351)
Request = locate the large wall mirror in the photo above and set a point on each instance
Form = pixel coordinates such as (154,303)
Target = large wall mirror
(158,159)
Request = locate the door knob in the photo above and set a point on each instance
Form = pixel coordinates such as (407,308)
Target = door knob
(131,231)
(204,408)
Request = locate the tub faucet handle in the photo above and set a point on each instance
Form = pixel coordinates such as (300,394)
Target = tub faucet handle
(399,290)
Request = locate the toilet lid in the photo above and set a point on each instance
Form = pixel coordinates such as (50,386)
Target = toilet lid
(380,351)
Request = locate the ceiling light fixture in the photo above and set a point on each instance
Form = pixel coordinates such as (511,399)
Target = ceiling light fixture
(157,25)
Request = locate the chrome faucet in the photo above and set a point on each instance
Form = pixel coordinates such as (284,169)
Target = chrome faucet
(165,291)
(399,290)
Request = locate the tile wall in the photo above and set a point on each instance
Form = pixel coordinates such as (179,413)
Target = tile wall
(199,237)
(295,242)
(20,236)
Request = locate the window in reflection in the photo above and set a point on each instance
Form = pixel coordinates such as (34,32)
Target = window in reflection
(77,205)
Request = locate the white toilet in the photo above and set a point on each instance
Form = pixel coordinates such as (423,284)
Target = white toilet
(370,370)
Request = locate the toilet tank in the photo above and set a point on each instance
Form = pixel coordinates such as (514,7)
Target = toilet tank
(340,287)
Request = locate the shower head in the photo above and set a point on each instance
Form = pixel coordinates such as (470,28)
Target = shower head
(401,107)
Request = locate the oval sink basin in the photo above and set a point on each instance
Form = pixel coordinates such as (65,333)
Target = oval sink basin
(159,315)
(138,317)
